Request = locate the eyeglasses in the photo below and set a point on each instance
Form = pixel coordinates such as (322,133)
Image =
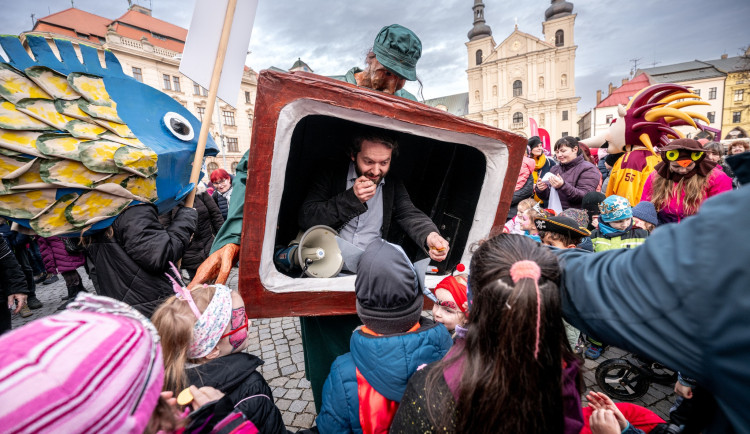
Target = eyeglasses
(244,325)
(222,181)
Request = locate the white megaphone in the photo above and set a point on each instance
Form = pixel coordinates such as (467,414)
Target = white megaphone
(316,253)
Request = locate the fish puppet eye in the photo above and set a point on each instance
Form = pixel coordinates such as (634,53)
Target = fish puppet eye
(696,155)
(179,126)
(672,155)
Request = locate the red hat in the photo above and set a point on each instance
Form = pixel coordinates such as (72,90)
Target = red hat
(457,290)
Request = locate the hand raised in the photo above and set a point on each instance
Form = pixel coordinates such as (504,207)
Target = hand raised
(364,189)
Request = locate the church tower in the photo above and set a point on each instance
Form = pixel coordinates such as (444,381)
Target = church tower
(480,37)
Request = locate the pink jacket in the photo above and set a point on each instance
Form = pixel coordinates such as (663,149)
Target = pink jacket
(718,182)
(527,166)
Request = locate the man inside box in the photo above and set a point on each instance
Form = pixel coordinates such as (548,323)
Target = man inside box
(389,64)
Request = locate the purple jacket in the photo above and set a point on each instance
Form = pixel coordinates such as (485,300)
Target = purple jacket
(580,177)
(56,258)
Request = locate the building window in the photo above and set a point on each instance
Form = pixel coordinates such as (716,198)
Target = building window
(494,91)
(711,117)
(201,111)
(517,88)
(138,74)
(211,167)
(542,116)
(228,118)
(479,57)
(736,117)
(247,97)
(559,38)
(167,82)
(565,134)
(517,117)
(609,119)
(205,91)
(565,116)
(232,145)
(196,89)
(739,94)
(176,84)
(697,92)
(712,93)
(234,166)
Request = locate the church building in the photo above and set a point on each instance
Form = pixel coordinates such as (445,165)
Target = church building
(524,77)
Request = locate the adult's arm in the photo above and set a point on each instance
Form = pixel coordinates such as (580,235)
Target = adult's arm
(680,298)
(214,213)
(231,230)
(411,219)
(324,206)
(543,194)
(151,245)
(587,182)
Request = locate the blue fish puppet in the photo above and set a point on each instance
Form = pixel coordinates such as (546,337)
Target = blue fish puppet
(80,142)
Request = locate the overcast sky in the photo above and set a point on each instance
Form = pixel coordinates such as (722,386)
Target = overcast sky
(332,36)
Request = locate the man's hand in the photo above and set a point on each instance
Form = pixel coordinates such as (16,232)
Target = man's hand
(541,186)
(13,298)
(438,247)
(217,266)
(364,188)
(682,390)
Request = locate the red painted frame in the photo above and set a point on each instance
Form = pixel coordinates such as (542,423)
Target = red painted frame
(276,90)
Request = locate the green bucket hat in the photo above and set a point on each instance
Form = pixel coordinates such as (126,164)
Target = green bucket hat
(398,49)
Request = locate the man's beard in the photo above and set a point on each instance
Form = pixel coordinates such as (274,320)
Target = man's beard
(359,173)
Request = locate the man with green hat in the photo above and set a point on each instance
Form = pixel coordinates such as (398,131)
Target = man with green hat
(392,61)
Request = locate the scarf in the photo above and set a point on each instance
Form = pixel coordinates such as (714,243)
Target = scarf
(227,195)
(540,162)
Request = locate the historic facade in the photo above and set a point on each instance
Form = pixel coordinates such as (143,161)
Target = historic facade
(149,50)
(524,77)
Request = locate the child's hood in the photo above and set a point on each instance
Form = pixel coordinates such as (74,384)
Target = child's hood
(387,362)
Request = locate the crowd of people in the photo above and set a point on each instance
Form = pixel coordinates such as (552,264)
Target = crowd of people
(577,267)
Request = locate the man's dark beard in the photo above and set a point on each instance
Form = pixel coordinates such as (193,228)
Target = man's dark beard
(359,172)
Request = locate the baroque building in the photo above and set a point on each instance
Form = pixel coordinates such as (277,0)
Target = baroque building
(524,77)
(149,50)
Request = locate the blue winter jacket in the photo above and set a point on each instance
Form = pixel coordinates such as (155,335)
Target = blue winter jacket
(681,298)
(387,362)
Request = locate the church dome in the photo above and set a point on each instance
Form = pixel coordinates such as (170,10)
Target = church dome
(480,29)
(558,9)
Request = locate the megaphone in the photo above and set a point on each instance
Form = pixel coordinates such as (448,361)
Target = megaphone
(315,254)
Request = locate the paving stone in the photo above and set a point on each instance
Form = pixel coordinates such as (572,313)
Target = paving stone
(304,420)
(283,404)
(288,418)
(270,367)
(296,348)
(298,357)
(288,370)
(270,374)
(307,393)
(311,407)
(282,354)
(298,374)
(279,392)
(278,382)
(291,384)
(297,406)
(300,367)
(285,362)
(304,384)
(293,394)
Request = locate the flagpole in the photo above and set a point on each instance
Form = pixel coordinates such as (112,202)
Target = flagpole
(213,89)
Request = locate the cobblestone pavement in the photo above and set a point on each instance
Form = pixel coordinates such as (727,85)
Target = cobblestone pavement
(279,343)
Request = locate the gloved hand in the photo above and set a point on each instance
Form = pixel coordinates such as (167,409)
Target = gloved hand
(217,266)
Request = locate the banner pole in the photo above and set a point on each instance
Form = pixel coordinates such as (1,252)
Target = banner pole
(213,89)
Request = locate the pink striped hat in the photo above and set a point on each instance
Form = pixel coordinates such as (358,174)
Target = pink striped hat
(95,367)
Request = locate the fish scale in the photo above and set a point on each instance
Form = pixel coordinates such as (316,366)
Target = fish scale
(82,141)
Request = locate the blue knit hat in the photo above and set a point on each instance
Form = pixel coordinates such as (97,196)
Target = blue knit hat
(646,211)
(615,208)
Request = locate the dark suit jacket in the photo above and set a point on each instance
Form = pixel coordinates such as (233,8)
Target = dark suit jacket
(329,203)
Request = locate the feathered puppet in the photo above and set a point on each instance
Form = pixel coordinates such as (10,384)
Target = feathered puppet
(80,142)
(647,121)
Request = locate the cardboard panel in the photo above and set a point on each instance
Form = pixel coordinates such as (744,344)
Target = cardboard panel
(290,106)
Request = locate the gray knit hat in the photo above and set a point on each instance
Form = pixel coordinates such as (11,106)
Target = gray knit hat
(387,287)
